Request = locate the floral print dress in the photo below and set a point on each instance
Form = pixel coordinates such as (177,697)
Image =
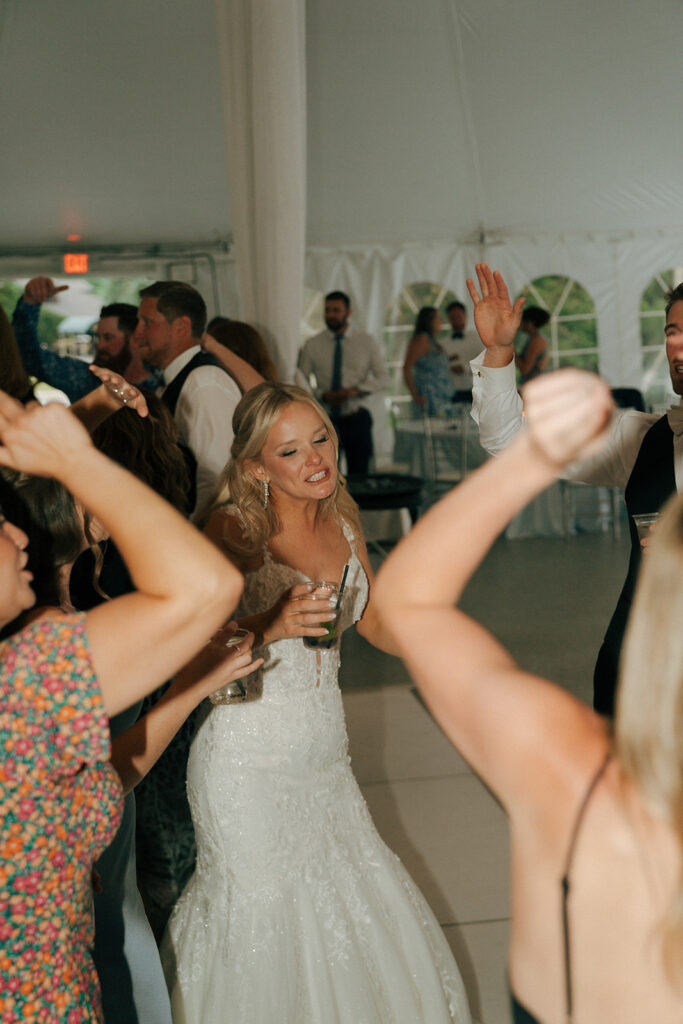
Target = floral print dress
(60,804)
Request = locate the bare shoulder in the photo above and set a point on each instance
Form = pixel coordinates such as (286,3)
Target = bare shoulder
(563,744)
(419,344)
(225,529)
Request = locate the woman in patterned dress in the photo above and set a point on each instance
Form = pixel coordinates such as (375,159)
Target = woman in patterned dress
(426,368)
(61,677)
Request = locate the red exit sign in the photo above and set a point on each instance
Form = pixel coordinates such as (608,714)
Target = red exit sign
(75,263)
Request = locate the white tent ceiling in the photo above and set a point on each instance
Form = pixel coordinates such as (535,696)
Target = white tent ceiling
(443,119)
(538,134)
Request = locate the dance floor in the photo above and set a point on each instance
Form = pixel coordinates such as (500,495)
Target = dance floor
(549,601)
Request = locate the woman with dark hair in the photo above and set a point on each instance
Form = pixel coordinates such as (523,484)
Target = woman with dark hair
(62,676)
(297,911)
(125,952)
(149,448)
(164,854)
(425,369)
(596,819)
(245,341)
(13,377)
(535,355)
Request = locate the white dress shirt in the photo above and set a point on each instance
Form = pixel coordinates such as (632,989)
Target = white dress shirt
(362,365)
(460,351)
(203,417)
(497,409)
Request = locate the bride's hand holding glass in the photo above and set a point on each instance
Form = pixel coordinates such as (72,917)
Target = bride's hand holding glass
(297,614)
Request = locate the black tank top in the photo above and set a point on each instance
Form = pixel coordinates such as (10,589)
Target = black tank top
(520,1015)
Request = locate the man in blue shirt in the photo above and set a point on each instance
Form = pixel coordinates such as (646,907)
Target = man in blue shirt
(117,349)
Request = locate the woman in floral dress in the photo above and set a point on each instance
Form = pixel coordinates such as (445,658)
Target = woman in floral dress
(61,677)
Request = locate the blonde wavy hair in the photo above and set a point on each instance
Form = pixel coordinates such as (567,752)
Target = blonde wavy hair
(252,421)
(649,718)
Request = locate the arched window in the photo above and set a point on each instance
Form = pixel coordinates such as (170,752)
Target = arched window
(399,323)
(572,331)
(656,383)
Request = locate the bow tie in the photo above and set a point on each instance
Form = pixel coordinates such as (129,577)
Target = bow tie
(457,334)
(675,418)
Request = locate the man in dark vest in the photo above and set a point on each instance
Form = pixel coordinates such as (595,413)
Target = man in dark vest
(644,454)
(200,393)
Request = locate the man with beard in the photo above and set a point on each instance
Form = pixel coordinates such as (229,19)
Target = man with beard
(344,365)
(644,453)
(116,349)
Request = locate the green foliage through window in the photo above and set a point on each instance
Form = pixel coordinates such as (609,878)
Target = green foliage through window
(572,330)
(400,321)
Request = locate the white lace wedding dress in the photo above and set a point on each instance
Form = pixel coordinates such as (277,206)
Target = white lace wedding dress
(297,912)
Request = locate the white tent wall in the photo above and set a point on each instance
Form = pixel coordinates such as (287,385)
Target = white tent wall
(614,272)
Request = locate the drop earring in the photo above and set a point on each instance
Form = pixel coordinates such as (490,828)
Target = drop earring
(266,493)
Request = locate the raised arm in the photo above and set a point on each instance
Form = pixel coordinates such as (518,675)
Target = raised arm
(185,589)
(112,393)
(495,317)
(496,405)
(499,717)
(68,374)
(138,749)
(244,375)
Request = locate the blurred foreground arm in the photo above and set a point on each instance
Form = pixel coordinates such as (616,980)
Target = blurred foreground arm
(487,706)
(185,587)
(138,749)
(244,375)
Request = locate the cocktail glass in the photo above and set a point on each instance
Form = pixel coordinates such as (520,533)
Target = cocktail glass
(325,590)
(644,522)
(234,691)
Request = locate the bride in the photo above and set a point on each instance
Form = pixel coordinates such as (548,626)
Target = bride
(297,912)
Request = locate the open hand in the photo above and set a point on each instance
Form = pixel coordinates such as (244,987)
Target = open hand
(41,440)
(120,392)
(496,319)
(567,414)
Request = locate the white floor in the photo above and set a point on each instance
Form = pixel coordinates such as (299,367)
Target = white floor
(549,601)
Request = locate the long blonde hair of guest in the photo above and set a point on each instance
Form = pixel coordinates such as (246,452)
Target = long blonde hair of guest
(649,719)
(252,421)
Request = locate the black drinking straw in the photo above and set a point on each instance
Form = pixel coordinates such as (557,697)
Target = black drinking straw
(341,586)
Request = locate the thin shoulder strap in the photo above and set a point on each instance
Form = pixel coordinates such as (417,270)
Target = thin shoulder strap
(348,532)
(565,883)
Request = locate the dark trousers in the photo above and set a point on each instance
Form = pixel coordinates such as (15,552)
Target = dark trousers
(355,437)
